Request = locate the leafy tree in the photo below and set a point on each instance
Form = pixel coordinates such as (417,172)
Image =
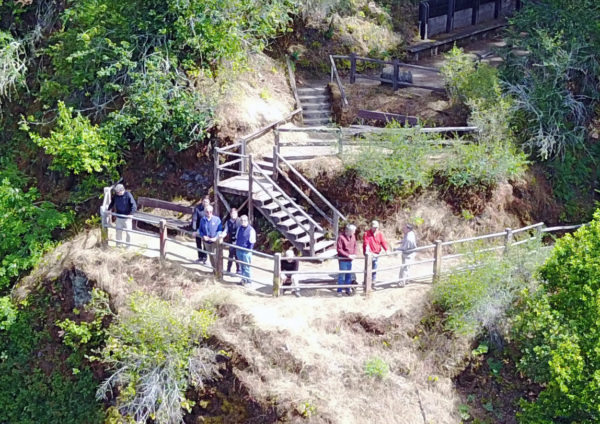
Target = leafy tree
(26,225)
(558,332)
(76,145)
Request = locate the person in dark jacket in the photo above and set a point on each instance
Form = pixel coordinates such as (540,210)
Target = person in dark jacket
(230,230)
(246,237)
(196,217)
(346,250)
(123,204)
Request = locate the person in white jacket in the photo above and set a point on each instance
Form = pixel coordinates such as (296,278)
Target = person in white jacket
(408,244)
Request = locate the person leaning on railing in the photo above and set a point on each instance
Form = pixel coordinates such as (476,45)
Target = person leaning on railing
(374,243)
(246,237)
(123,203)
(288,278)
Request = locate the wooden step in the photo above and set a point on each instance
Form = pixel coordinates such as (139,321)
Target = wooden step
(306,239)
(326,114)
(267,166)
(313,90)
(292,222)
(281,215)
(313,98)
(316,106)
(296,232)
(271,207)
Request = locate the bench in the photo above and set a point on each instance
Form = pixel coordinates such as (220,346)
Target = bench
(147,202)
(373,115)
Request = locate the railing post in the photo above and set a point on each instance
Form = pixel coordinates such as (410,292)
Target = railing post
(243,153)
(396,74)
(104,227)
(275,163)
(311,235)
(107,197)
(336,224)
(437,261)
(340,143)
(508,236)
(450,15)
(368,280)
(163,239)
(475,12)
(250,189)
(219,259)
(216,181)
(538,231)
(352,68)
(276,274)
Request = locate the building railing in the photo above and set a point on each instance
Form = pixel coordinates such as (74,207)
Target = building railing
(431,262)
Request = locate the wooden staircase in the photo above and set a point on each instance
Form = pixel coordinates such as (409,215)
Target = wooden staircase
(315,102)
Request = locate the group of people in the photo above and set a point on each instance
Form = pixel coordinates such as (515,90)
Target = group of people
(374,243)
(237,231)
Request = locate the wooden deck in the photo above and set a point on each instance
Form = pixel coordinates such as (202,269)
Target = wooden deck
(238,185)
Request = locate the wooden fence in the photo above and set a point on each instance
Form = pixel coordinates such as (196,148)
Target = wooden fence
(431,263)
(395,78)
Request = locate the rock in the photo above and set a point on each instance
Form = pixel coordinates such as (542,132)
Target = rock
(81,288)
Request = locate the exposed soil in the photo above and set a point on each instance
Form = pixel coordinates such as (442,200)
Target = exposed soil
(491,387)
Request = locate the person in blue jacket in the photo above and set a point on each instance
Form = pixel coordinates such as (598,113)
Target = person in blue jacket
(246,237)
(209,230)
(196,217)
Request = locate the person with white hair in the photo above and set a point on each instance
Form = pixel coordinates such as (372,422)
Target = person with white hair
(407,246)
(346,250)
(245,238)
(374,243)
(123,204)
(290,265)
(209,230)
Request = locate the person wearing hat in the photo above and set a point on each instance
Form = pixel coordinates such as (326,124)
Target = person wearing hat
(230,230)
(407,246)
(346,250)
(374,242)
(290,265)
(123,204)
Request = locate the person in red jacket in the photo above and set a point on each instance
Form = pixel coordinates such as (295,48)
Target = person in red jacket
(374,242)
(346,250)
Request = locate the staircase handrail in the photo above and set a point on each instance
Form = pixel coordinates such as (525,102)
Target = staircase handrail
(284,194)
(336,75)
(312,189)
(292,78)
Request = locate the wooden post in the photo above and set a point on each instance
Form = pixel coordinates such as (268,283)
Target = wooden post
(396,74)
(340,143)
(107,196)
(336,224)
(507,239)
(437,261)
(250,188)
(352,68)
(216,181)
(538,232)
(276,274)
(368,280)
(243,153)
(163,239)
(497,8)
(103,228)
(275,164)
(450,15)
(475,12)
(311,235)
(219,259)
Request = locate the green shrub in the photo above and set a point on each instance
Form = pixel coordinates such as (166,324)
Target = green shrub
(26,225)
(38,384)
(476,300)
(402,168)
(377,367)
(8,313)
(154,353)
(76,145)
(480,165)
(558,332)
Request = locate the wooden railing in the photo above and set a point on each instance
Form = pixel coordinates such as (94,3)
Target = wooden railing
(335,75)
(395,79)
(292,79)
(435,256)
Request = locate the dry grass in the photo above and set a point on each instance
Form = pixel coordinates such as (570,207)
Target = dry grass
(300,353)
